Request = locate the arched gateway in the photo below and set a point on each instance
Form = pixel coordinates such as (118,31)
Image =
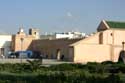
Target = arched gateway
(122,56)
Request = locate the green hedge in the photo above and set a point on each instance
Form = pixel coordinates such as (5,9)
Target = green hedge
(64,73)
(59,77)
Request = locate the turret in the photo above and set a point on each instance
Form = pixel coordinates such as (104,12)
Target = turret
(34,32)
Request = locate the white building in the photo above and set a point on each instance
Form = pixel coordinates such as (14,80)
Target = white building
(69,35)
(5,45)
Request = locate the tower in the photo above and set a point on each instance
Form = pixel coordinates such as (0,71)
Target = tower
(21,31)
(34,32)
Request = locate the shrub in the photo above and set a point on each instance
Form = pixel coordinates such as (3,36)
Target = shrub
(62,67)
(107,62)
(63,73)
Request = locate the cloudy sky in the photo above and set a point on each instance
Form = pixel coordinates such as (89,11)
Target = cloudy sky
(58,15)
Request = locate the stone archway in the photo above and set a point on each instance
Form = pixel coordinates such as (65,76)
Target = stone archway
(122,56)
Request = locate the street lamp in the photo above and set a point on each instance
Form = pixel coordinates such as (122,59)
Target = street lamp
(123,43)
(21,49)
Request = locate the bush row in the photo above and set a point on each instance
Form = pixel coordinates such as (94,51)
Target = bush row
(34,72)
(90,67)
(60,77)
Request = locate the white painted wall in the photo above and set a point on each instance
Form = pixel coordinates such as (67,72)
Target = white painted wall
(5,42)
(64,36)
(69,35)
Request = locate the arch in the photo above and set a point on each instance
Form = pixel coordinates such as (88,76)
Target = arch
(62,57)
(121,56)
(58,54)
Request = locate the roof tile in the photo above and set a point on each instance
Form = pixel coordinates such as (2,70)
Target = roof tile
(113,24)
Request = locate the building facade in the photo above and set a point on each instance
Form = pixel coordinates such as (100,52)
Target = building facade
(107,44)
(5,45)
(53,49)
(21,41)
(68,35)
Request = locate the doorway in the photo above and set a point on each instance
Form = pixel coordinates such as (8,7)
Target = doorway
(58,54)
(2,52)
(101,38)
(121,56)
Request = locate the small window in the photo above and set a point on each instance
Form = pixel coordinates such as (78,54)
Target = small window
(35,33)
(111,34)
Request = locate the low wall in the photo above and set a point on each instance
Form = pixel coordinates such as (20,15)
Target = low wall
(45,62)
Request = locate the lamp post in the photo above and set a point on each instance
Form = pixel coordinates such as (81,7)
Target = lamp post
(21,49)
(123,43)
(123,52)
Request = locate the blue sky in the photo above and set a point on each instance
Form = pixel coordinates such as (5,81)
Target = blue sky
(58,15)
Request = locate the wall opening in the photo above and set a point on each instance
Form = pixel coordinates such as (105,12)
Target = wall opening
(62,57)
(121,56)
(101,38)
(2,52)
(58,54)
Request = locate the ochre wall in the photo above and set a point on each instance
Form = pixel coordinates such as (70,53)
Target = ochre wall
(91,53)
(94,39)
(119,37)
(114,37)
(16,44)
(49,48)
(107,37)
(89,49)
(78,50)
